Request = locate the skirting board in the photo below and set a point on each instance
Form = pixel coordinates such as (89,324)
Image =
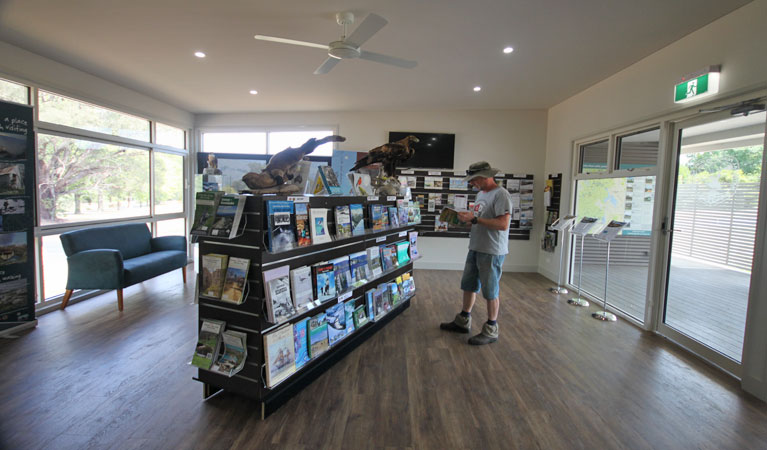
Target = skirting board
(9,332)
(433,265)
(548,274)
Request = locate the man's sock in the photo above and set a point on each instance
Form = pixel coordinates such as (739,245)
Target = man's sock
(465,314)
(491,322)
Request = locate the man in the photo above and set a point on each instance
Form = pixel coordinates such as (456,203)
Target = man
(488,246)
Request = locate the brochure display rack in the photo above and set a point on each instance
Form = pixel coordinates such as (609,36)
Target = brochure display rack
(263,300)
(562,224)
(609,233)
(581,229)
(17,218)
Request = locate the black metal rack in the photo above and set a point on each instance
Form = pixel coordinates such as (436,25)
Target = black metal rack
(250,318)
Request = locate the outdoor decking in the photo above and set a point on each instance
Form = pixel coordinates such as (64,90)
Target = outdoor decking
(707,302)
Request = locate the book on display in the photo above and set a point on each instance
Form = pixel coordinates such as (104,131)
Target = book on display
(280,355)
(236,280)
(228,216)
(318,220)
(280,232)
(279,304)
(303,229)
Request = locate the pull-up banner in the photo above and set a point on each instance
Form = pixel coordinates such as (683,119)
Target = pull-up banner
(17,217)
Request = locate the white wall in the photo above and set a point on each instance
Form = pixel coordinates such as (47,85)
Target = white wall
(513,141)
(643,91)
(26,67)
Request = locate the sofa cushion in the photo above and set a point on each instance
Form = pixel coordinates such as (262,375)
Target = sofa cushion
(149,266)
(131,239)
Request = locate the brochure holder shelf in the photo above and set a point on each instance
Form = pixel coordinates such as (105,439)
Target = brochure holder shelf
(249,317)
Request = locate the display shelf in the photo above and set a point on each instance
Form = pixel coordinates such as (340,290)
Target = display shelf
(249,317)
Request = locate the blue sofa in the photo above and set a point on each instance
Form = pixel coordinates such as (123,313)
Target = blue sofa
(118,256)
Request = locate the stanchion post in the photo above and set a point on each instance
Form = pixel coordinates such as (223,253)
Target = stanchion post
(604,315)
(579,301)
(559,289)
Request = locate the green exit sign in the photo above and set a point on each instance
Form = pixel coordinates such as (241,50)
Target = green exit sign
(697,85)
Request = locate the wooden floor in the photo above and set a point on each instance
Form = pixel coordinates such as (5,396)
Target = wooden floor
(91,377)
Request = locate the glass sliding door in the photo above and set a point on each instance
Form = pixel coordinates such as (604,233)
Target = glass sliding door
(711,224)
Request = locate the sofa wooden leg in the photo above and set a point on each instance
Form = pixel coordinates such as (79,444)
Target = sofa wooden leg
(183,271)
(67,296)
(120,299)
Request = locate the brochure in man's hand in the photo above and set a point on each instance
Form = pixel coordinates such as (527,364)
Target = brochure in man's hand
(450,216)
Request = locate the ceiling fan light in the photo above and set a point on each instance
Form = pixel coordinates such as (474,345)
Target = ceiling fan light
(341,50)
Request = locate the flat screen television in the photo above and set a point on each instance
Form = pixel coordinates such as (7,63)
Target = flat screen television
(433,151)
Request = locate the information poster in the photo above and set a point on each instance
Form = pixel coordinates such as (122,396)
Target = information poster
(638,206)
(17,256)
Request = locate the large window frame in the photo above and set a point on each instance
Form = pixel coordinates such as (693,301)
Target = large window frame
(199,132)
(613,172)
(152,218)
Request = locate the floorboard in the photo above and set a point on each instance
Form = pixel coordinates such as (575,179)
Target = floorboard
(92,377)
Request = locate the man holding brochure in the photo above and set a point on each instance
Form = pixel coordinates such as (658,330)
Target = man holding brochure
(488,246)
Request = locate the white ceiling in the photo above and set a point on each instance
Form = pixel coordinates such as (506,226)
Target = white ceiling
(561,48)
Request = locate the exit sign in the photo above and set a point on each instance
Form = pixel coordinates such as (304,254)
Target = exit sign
(701,84)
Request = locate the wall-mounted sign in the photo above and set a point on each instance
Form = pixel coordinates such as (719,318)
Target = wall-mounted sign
(703,83)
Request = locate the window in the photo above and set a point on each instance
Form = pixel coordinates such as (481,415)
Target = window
(236,142)
(173,227)
(169,183)
(84,181)
(13,92)
(638,150)
(281,140)
(62,110)
(628,200)
(54,263)
(170,136)
(593,157)
(263,143)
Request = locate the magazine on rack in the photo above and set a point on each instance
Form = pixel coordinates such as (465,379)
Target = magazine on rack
(280,355)
(208,343)
(279,304)
(235,351)
(235,280)
(228,216)
(205,206)
(280,232)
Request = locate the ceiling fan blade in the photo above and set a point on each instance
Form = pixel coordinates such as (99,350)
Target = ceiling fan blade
(385,59)
(370,26)
(326,66)
(261,37)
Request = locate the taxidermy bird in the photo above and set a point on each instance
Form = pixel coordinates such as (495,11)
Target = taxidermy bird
(389,155)
(281,167)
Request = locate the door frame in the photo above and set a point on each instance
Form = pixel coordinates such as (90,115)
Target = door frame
(662,256)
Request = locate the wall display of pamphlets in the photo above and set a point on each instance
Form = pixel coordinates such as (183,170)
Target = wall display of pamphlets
(552,194)
(299,308)
(437,190)
(17,217)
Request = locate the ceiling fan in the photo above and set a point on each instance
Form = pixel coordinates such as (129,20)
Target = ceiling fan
(349,46)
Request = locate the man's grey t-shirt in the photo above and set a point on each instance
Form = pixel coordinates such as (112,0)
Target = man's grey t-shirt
(489,205)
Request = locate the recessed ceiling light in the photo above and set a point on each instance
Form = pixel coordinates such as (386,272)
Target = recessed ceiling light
(199,54)
(253,92)
(508,50)
(477,88)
